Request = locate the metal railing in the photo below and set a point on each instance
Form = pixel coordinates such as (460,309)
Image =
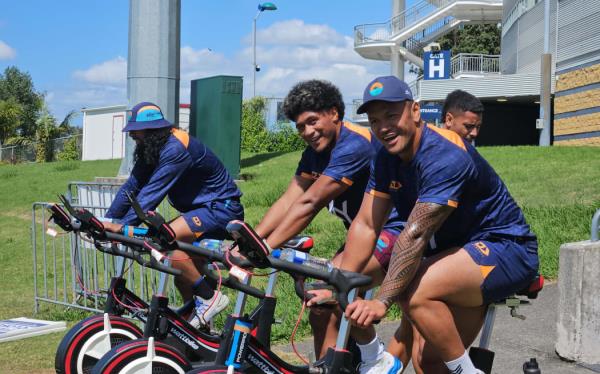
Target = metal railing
(470,63)
(595,226)
(384,31)
(71,272)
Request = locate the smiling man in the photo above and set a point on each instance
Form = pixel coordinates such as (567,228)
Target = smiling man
(466,243)
(333,171)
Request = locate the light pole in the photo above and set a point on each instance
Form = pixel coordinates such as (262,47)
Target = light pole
(261,8)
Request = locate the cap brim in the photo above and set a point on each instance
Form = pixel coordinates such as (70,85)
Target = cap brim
(158,124)
(363,108)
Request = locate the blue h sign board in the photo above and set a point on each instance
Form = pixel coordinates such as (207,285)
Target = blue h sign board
(437,65)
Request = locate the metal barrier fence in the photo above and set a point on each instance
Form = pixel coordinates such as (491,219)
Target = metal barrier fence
(71,272)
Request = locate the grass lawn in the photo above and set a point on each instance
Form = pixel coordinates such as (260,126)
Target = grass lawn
(557,187)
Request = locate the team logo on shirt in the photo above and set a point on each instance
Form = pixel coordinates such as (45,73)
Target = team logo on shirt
(395,185)
(482,248)
(196,221)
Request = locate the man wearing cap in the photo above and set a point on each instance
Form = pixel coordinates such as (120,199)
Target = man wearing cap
(462,113)
(482,250)
(170,163)
(333,171)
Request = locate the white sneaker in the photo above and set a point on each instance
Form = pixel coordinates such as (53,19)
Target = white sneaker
(388,364)
(207,309)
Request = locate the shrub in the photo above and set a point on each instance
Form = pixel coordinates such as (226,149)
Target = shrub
(256,138)
(71,150)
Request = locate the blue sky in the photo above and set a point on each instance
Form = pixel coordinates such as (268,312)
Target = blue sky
(76,51)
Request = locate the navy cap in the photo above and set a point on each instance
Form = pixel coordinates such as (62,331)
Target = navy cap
(145,116)
(388,88)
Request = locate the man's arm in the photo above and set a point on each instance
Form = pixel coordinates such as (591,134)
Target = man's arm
(424,220)
(275,214)
(305,208)
(363,232)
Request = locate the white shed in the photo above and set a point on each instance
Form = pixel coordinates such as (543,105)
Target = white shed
(102,132)
(103,138)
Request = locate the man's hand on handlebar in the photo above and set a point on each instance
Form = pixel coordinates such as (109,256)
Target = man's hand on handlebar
(112,227)
(321,297)
(362,313)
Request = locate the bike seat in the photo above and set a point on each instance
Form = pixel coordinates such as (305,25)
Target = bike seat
(534,287)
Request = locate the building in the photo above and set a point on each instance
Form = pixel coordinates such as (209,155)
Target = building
(508,84)
(103,138)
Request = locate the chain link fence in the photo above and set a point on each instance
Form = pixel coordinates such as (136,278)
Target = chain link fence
(13,154)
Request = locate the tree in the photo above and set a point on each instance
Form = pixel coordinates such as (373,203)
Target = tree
(18,86)
(483,39)
(10,116)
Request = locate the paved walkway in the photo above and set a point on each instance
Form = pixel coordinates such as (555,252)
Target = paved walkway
(513,340)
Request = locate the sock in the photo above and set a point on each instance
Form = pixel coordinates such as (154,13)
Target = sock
(202,289)
(371,351)
(461,365)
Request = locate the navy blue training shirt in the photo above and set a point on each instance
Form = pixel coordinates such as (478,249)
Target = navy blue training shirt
(448,171)
(188,173)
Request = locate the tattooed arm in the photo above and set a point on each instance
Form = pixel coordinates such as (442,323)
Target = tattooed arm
(424,220)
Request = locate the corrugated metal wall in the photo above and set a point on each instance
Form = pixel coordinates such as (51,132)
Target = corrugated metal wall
(523,44)
(579,33)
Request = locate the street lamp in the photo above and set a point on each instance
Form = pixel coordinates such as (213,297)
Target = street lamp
(261,8)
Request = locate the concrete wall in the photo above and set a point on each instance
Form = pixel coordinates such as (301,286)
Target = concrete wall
(578,325)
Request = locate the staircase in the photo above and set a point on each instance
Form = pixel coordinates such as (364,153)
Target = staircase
(427,20)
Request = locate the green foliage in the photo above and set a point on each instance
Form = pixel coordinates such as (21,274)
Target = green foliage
(257,138)
(71,151)
(19,86)
(46,130)
(10,118)
(254,128)
(484,39)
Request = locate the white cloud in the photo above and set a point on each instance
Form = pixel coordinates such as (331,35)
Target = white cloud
(295,32)
(294,51)
(112,72)
(6,51)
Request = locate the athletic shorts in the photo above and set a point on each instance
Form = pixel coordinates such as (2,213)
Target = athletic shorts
(508,265)
(383,247)
(209,220)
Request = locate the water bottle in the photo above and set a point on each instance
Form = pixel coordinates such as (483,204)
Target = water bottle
(298,257)
(531,367)
(214,245)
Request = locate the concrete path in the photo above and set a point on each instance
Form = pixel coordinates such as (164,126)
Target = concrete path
(513,340)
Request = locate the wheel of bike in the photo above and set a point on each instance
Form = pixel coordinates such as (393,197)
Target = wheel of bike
(85,344)
(212,369)
(143,356)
